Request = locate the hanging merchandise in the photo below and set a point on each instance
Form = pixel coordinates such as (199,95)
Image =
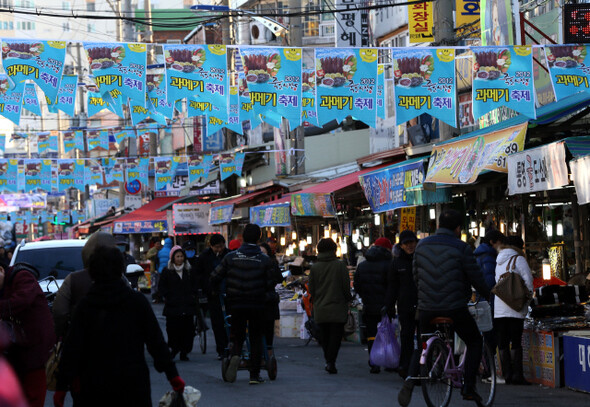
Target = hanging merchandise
(424,80)
(159,106)
(37,175)
(568,68)
(8,175)
(95,102)
(503,76)
(308,90)
(10,100)
(70,174)
(246,110)
(93,174)
(136,170)
(66,96)
(198,72)
(231,165)
(97,139)
(347,81)
(165,170)
(381,91)
(199,167)
(40,61)
(30,99)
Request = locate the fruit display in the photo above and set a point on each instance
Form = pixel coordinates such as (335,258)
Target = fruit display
(567,56)
(491,65)
(260,68)
(308,81)
(105,57)
(185,60)
(22,50)
(333,72)
(413,71)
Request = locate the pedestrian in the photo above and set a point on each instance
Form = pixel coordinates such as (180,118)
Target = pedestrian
(271,308)
(248,274)
(178,288)
(234,244)
(103,357)
(190,249)
(152,256)
(507,321)
(22,299)
(164,255)
(207,261)
(402,292)
(329,286)
(370,282)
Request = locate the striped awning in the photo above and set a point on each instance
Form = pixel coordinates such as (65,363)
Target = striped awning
(578,146)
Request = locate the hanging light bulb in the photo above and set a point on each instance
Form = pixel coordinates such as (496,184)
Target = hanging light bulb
(559,228)
(326,232)
(502,227)
(549,229)
(302,244)
(344,248)
(282,240)
(272,229)
(366,241)
(464,237)
(309,239)
(359,245)
(514,227)
(482,230)
(546,269)
(355,238)
(377,219)
(338,252)
(432,213)
(473,224)
(293,235)
(334,236)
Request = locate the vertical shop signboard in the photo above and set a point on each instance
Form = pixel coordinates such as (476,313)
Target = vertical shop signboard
(352,24)
(421,23)
(408,219)
(576,361)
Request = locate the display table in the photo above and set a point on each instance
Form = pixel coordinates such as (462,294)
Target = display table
(542,357)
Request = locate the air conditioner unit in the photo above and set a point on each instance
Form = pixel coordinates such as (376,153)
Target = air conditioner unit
(259,34)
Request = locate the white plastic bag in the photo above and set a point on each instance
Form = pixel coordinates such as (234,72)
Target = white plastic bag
(191,397)
(482,313)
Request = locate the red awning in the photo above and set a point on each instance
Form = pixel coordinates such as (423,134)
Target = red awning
(149,211)
(339,183)
(236,200)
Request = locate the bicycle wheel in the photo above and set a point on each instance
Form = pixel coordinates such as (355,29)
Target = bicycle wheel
(486,378)
(437,389)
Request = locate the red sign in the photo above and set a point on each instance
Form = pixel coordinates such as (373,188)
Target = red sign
(133,187)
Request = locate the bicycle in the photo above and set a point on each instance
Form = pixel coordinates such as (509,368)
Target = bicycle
(200,325)
(440,374)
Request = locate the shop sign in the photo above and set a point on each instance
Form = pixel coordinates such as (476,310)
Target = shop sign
(221,214)
(467,14)
(145,226)
(10,201)
(420,197)
(580,169)
(460,162)
(312,205)
(102,206)
(420,17)
(352,25)
(191,219)
(576,356)
(538,169)
(541,358)
(408,220)
(271,215)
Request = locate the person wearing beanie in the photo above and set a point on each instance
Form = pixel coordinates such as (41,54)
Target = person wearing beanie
(248,276)
(178,288)
(234,244)
(370,282)
(329,286)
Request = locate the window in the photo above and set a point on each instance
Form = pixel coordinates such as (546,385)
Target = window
(91,6)
(91,28)
(65,5)
(18,25)
(327,5)
(65,27)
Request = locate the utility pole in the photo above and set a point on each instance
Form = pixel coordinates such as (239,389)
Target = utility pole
(295,40)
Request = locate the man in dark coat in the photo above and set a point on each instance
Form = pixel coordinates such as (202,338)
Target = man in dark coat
(248,274)
(370,281)
(207,261)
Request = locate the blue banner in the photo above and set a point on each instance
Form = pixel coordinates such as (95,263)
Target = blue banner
(145,226)
(97,139)
(424,81)
(122,134)
(233,122)
(95,103)
(274,81)
(308,87)
(136,169)
(70,174)
(10,100)
(30,99)
(156,86)
(198,71)
(346,84)
(40,61)
(115,102)
(43,141)
(66,96)
(93,174)
(220,214)
(503,76)
(246,110)
(213,142)
(70,141)
(271,215)
(165,170)
(199,167)
(138,112)
(381,91)
(8,175)
(231,165)
(113,169)
(569,67)
(2,142)
(37,175)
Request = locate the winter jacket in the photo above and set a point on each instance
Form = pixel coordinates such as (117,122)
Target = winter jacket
(485,255)
(204,266)
(180,295)
(501,310)
(444,271)
(164,254)
(248,277)
(329,286)
(401,288)
(22,298)
(73,289)
(152,256)
(105,350)
(370,279)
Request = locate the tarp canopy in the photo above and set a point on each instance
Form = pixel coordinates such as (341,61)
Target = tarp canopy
(150,218)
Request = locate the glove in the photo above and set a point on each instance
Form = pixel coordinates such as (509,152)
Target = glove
(177,384)
(59,398)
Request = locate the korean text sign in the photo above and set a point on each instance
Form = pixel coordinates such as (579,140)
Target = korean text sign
(420,22)
(569,67)
(271,215)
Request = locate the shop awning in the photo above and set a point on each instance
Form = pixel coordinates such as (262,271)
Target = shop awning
(238,199)
(578,146)
(150,218)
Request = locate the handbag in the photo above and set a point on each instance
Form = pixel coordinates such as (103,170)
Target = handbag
(350,325)
(51,366)
(386,350)
(511,288)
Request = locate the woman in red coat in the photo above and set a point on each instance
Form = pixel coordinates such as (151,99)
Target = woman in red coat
(22,298)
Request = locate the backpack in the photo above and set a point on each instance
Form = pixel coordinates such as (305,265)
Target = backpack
(511,288)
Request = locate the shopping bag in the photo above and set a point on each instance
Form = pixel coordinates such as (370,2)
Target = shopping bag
(511,288)
(386,349)
(189,398)
(482,314)
(51,366)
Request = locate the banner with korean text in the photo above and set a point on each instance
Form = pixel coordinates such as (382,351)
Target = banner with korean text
(191,219)
(569,68)
(421,22)
(70,174)
(220,214)
(271,215)
(66,96)
(312,204)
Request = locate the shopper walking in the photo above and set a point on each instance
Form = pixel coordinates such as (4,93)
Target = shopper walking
(152,256)
(509,322)
(178,288)
(329,286)
(370,283)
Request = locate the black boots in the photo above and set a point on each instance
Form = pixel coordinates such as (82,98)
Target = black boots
(517,373)
(506,361)
(405,394)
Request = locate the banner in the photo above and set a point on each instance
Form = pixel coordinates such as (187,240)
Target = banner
(137,112)
(538,169)
(496,22)
(66,96)
(37,175)
(310,204)
(309,115)
(246,110)
(143,139)
(467,14)
(199,167)
(424,81)
(136,169)
(159,106)
(381,91)
(580,169)
(97,139)
(134,227)
(93,174)
(70,174)
(233,121)
(10,100)
(270,215)
(40,61)
(231,165)
(569,68)
(95,103)
(220,214)
(114,171)
(30,99)
(352,24)
(165,170)
(8,175)
(191,219)
(503,76)
(421,197)
(45,142)
(274,81)
(461,161)
(115,102)
(2,142)
(420,22)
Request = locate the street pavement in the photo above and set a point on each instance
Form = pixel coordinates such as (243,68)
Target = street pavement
(302,381)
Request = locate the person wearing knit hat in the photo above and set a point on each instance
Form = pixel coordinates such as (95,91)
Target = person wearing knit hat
(178,288)
(234,245)
(370,281)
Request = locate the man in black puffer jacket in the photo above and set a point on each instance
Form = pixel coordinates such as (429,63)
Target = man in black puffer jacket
(247,273)
(370,281)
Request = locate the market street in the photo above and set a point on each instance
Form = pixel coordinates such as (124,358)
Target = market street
(302,381)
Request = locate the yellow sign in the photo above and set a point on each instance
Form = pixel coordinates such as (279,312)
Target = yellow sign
(466,15)
(408,221)
(420,22)
(460,162)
